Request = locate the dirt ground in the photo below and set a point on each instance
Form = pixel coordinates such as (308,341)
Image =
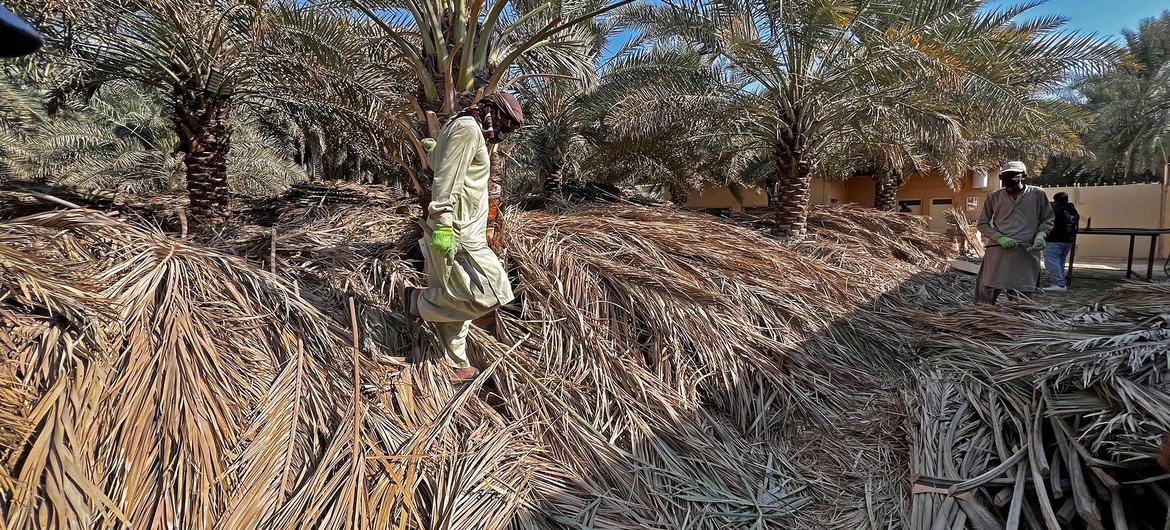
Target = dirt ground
(1089,284)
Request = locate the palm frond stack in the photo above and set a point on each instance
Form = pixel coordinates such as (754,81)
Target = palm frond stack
(650,376)
(1030,419)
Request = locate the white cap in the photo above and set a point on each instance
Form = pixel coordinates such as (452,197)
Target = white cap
(1015,166)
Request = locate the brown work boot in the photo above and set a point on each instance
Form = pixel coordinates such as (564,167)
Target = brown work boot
(467,373)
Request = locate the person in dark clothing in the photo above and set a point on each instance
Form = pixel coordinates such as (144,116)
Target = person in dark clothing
(1060,240)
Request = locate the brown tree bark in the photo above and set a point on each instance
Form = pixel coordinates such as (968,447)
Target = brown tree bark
(793,192)
(205,130)
(885,193)
(499,169)
(554,182)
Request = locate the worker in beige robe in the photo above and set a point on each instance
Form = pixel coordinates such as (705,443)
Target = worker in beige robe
(465,279)
(1015,222)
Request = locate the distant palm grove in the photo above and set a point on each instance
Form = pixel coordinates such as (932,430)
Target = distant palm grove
(220,98)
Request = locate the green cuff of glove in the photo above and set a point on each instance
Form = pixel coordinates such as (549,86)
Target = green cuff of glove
(1007,242)
(443,239)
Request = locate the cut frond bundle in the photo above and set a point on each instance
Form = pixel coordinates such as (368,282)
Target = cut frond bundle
(1071,407)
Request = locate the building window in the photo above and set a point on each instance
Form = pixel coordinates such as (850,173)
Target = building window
(972,203)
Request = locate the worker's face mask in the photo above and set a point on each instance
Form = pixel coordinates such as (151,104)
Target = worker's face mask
(502,127)
(498,134)
(1012,181)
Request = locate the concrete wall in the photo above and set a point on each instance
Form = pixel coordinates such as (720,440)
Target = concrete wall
(924,187)
(718,196)
(713,196)
(1125,206)
(828,191)
(1130,206)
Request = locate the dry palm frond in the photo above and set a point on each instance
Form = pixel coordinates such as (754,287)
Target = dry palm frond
(968,233)
(1072,406)
(184,338)
(858,238)
(1146,297)
(661,369)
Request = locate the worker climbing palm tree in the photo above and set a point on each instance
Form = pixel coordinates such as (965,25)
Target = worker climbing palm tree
(465,279)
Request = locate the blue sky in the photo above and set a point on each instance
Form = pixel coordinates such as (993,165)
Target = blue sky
(1103,17)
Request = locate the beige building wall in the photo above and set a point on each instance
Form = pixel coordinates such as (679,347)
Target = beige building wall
(719,196)
(1125,206)
(829,191)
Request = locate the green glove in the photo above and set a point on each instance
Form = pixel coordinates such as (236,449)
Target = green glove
(1007,242)
(443,239)
(1039,242)
(428,144)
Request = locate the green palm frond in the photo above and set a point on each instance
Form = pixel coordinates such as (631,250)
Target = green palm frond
(261,165)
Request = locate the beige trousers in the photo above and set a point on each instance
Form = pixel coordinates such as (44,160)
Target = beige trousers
(453,338)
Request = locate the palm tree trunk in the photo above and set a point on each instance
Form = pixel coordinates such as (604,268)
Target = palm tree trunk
(885,195)
(793,192)
(554,182)
(205,130)
(499,169)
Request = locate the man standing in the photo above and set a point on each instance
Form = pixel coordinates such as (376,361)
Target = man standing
(1015,220)
(465,279)
(1060,240)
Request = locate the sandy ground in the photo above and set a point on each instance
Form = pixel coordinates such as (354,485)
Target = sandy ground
(1093,278)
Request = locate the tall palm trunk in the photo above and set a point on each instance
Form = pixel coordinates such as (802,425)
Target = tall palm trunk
(794,153)
(793,192)
(554,181)
(499,169)
(885,194)
(205,131)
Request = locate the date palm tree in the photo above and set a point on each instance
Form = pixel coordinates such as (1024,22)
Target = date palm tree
(204,54)
(1131,106)
(210,58)
(120,138)
(632,127)
(814,78)
(459,51)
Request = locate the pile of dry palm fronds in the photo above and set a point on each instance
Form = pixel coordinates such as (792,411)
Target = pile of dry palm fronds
(152,383)
(661,369)
(969,240)
(1032,419)
(857,238)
